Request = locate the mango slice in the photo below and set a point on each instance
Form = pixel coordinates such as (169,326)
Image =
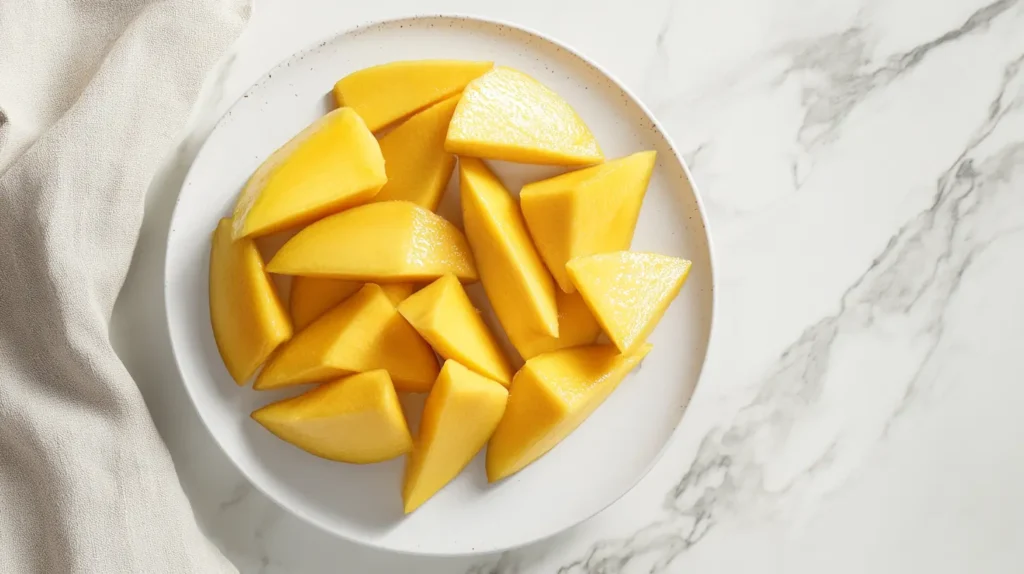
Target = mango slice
(551,395)
(418,167)
(593,210)
(508,115)
(443,315)
(356,419)
(364,333)
(388,242)
(390,92)
(628,292)
(331,165)
(313,296)
(248,319)
(576,326)
(460,414)
(517,284)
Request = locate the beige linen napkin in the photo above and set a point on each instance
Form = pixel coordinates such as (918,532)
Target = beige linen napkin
(92,96)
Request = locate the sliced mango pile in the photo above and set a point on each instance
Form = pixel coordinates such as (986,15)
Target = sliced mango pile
(377,297)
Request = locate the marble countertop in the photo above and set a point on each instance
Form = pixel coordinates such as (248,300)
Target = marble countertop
(862,163)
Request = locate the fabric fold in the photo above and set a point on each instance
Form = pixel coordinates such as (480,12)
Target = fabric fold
(92,97)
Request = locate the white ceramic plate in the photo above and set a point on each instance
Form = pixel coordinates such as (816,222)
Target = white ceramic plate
(598,463)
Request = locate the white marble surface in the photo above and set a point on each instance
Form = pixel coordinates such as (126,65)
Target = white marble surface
(863,167)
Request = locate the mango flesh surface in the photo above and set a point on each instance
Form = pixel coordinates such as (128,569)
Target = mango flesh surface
(507,115)
(576,326)
(248,319)
(443,315)
(460,414)
(390,92)
(516,281)
(628,292)
(363,333)
(398,292)
(551,395)
(593,210)
(356,419)
(311,297)
(417,165)
(332,165)
(388,242)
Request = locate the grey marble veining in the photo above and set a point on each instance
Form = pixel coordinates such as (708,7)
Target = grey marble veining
(912,279)
(843,61)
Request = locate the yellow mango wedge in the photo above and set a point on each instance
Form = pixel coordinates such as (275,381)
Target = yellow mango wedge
(331,165)
(418,167)
(356,419)
(576,326)
(460,414)
(390,92)
(313,296)
(551,395)
(248,319)
(443,315)
(508,115)
(363,333)
(389,242)
(628,292)
(593,210)
(517,284)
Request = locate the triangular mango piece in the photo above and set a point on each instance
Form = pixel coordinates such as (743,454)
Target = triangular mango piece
(443,315)
(576,326)
(331,165)
(509,116)
(356,419)
(418,167)
(459,416)
(388,242)
(518,285)
(363,333)
(313,296)
(593,210)
(551,395)
(391,92)
(248,319)
(628,292)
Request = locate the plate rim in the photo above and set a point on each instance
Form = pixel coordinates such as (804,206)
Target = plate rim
(416,17)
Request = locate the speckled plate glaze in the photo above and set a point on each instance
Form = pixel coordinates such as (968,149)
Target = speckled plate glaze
(598,463)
